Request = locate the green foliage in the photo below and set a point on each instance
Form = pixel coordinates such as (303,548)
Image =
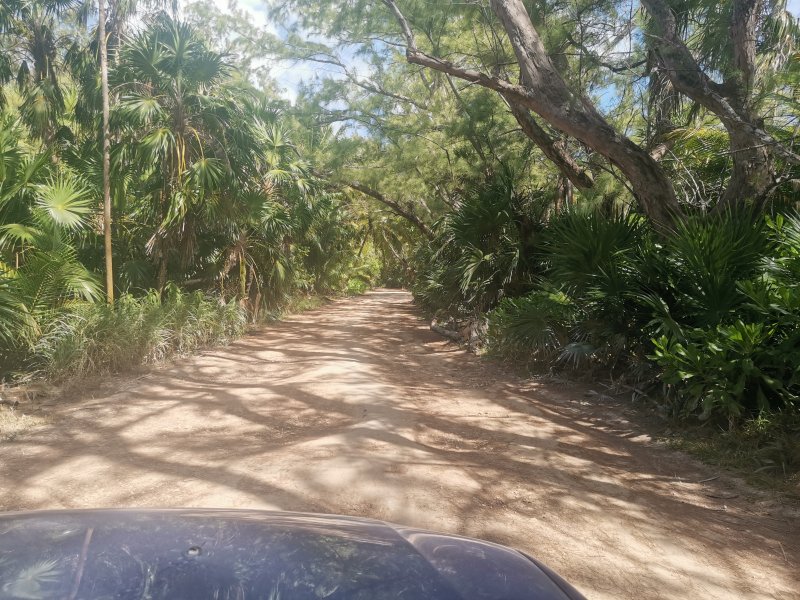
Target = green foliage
(211,186)
(731,370)
(44,211)
(739,355)
(712,311)
(539,323)
(12,318)
(704,261)
(590,251)
(481,250)
(93,338)
(586,300)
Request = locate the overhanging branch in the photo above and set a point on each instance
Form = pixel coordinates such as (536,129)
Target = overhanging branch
(395,207)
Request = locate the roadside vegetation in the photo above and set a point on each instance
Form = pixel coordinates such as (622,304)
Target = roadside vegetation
(609,192)
(218,220)
(704,323)
(599,188)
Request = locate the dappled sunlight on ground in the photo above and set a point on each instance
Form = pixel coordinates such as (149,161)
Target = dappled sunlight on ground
(357,408)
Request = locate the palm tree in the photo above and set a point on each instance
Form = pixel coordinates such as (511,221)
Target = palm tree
(212,159)
(177,126)
(44,208)
(31,54)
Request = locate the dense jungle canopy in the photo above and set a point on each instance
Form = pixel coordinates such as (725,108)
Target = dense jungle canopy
(602,186)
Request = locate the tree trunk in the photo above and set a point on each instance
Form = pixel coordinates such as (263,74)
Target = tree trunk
(752,175)
(551,98)
(752,148)
(162,274)
(552,149)
(753,167)
(564,195)
(744,20)
(242,278)
(102,45)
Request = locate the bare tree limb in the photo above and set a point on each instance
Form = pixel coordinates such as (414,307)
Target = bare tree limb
(546,93)
(613,68)
(395,207)
(364,84)
(552,149)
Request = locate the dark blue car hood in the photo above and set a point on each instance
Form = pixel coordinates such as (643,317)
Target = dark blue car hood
(240,555)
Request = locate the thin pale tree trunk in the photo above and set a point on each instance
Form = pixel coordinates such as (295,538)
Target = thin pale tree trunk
(102,45)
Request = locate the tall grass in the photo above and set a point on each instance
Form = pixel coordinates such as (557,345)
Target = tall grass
(85,339)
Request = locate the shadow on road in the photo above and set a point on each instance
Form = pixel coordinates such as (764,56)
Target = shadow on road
(357,408)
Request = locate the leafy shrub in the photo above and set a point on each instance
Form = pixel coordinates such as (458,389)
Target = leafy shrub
(482,251)
(587,308)
(701,264)
(711,311)
(356,286)
(597,260)
(745,360)
(539,323)
(87,338)
(587,252)
(733,370)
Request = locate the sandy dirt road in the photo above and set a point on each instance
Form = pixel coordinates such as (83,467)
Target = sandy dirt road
(357,408)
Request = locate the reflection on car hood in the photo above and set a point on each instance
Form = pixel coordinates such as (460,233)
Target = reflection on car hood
(238,555)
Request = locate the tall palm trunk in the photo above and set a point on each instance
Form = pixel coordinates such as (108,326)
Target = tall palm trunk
(102,45)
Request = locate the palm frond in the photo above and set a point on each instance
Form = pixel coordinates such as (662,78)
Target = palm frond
(65,200)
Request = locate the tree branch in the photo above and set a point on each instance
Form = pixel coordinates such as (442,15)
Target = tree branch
(546,93)
(601,62)
(395,206)
(364,84)
(552,149)
(511,93)
(689,79)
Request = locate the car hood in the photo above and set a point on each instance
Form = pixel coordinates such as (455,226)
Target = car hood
(195,554)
